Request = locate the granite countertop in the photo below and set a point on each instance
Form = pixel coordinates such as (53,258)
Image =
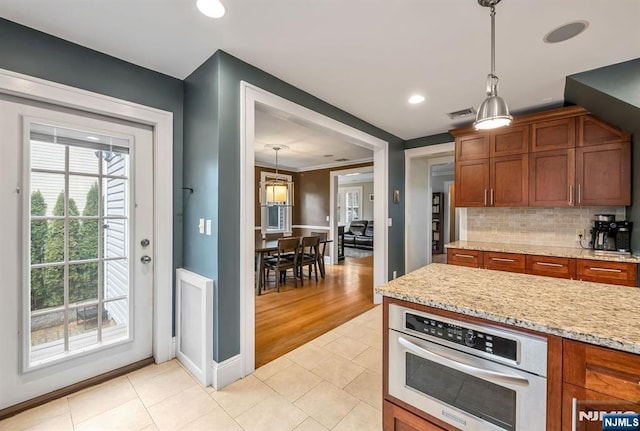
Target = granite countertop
(541,250)
(594,313)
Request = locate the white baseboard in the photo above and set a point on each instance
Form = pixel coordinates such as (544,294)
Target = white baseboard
(173,347)
(226,372)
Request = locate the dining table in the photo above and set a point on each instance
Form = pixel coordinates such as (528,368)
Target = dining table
(265,246)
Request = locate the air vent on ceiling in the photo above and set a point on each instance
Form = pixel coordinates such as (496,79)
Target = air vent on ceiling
(341,160)
(462,113)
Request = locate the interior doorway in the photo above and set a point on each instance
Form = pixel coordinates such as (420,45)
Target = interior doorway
(419,186)
(251,96)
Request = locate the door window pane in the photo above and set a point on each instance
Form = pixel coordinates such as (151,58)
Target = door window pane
(68,301)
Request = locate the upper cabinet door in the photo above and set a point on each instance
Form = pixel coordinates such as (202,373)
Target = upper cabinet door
(472,147)
(507,141)
(472,183)
(553,135)
(551,178)
(603,174)
(592,131)
(509,181)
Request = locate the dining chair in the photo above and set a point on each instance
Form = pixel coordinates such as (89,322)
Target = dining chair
(309,255)
(322,247)
(280,263)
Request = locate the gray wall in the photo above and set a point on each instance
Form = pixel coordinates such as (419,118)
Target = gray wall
(216,86)
(612,93)
(37,54)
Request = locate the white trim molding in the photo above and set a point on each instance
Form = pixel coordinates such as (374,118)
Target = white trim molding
(417,182)
(226,372)
(31,88)
(249,96)
(194,323)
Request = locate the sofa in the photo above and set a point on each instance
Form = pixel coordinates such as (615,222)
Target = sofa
(359,234)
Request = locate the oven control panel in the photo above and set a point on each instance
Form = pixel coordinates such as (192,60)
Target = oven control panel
(484,342)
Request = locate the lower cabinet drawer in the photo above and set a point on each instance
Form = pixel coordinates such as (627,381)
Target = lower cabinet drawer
(398,419)
(588,406)
(559,267)
(510,262)
(624,274)
(461,257)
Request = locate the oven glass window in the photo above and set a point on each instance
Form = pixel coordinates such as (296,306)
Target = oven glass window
(493,403)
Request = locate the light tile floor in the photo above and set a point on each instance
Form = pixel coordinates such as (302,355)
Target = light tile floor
(331,383)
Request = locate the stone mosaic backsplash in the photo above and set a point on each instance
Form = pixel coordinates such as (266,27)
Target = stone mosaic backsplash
(534,226)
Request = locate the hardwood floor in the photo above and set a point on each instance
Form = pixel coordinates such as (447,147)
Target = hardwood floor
(293,317)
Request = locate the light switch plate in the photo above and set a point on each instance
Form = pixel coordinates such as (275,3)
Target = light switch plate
(201,225)
(390,222)
(209,227)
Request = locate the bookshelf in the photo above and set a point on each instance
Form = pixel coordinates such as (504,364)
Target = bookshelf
(437,223)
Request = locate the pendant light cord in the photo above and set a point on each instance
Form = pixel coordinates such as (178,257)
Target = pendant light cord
(493,40)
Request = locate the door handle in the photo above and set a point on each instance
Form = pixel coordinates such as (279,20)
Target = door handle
(502,259)
(461,366)
(491,197)
(571,195)
(145,243)
(145,259)
(485,197)
(579,193)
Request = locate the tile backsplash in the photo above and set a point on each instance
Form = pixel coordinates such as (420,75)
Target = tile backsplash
(534,226)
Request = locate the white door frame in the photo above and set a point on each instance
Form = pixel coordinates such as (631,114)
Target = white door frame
(333,209)
(249,96)
(28,87)
(413,195)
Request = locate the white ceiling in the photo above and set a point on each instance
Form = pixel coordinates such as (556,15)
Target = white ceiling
(364,56)
(306,146)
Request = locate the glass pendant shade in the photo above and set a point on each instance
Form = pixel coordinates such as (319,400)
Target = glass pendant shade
(276,193)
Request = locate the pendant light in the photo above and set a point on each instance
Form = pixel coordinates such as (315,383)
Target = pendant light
(276,190)
(493,112)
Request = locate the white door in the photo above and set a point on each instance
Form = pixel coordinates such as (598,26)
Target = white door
(75,229)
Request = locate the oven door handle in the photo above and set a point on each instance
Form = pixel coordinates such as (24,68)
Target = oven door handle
(461,366)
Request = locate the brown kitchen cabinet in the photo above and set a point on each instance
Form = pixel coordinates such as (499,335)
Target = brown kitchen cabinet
(472,146)
(492,168)
(472,183)
(564,157)
(603,174)
(551,178)
(553,135)
(510,262)
(598,271)
(399,419)
(620,273)
(509,181)
(498,181)
(594,373)
(461,257)
(551,266)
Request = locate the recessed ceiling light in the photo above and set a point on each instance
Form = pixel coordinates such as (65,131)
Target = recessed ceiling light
(93,138)
(415,99)
(352,174)
(566,31)
(211,8)
(328,155)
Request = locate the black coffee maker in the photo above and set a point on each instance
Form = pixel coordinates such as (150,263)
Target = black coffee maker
(609,235)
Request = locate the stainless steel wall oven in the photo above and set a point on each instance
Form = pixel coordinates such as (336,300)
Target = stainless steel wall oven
(474,377)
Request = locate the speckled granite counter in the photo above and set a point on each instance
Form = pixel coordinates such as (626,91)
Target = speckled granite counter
(540,250)
(595,313)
